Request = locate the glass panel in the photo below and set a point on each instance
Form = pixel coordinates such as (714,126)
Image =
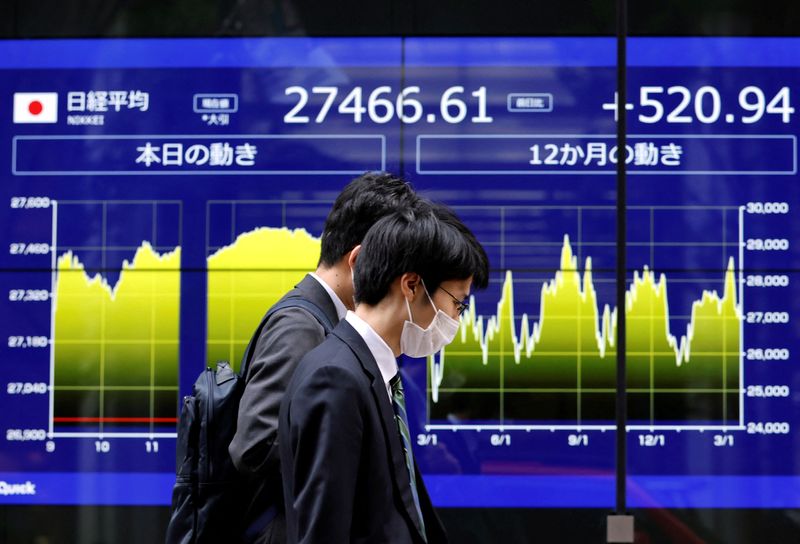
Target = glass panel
(712,189)
(515,136)
(162,193)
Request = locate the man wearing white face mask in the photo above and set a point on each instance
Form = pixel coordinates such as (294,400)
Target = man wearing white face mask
(348,468)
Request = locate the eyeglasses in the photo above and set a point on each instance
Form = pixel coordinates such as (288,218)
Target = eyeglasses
(461,306)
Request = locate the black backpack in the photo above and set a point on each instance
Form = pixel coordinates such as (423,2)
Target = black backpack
(208,498)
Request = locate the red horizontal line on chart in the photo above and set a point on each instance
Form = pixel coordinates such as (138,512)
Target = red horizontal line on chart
(115,420)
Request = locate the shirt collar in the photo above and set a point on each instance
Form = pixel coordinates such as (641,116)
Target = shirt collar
(379,349)
(341,309)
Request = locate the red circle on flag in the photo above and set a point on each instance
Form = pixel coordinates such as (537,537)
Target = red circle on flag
(35,107)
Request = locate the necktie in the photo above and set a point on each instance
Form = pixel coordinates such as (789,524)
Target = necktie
(399,404)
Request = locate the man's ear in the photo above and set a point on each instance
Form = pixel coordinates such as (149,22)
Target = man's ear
(351,258)
(409,284)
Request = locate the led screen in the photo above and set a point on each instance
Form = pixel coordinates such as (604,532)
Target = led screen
(159,195)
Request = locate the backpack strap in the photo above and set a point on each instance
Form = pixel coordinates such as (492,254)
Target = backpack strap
(288,302)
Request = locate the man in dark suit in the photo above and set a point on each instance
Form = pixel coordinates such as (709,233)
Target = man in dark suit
(292,332)
(345,446)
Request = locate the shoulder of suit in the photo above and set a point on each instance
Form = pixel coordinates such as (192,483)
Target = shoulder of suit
(295,314)
(331,353)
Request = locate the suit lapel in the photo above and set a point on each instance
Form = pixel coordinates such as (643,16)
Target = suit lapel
(391,433)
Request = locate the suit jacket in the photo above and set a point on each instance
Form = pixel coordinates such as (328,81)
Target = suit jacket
(344,472)
(284,340)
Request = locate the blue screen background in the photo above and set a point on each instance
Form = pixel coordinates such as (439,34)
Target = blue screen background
(684,222)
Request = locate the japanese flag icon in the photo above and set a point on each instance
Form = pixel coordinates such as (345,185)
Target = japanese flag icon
(35,107)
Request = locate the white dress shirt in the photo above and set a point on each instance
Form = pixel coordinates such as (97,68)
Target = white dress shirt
(341,309)
(383,354)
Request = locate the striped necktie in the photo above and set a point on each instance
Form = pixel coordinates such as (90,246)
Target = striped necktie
(400,416)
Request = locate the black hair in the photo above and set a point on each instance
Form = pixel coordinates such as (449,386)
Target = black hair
(480,261)
(428,239)
(361,203)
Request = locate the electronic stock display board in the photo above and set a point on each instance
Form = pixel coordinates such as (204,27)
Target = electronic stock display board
(159,195)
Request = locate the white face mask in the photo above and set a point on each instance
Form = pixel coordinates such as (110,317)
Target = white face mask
(418,342)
